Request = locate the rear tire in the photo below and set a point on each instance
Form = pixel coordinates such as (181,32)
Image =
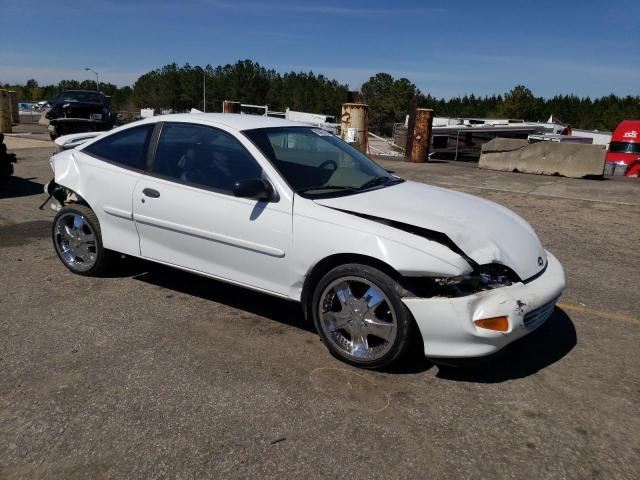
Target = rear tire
(77,239)
(360,316)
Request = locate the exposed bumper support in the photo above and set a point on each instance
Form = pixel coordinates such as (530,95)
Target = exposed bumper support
(447,327)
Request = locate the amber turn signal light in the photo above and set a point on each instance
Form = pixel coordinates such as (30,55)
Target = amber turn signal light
(499,324)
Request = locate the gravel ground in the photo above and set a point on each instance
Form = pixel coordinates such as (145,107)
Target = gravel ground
(156,373)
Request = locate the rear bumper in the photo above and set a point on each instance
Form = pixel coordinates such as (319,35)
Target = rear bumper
(447,327)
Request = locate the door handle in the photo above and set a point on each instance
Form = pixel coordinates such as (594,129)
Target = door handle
(151,193)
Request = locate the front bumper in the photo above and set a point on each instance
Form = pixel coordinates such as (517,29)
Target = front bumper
(77,125)
(446,324)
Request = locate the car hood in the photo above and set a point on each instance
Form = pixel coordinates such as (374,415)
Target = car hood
(485,231)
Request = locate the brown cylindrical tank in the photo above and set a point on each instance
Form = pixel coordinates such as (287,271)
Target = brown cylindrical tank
(353,126)
(229,106)
(421,135)
(15,113)
(5,112)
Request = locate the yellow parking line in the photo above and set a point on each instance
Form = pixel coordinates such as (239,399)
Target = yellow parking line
(599,313)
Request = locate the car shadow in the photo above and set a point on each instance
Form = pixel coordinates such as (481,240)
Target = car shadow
(273,308)
(280,310)
(413,362)
(524,357)
(20,234)
(20,187)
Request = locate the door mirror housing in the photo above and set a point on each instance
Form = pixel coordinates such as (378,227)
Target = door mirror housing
(254,188)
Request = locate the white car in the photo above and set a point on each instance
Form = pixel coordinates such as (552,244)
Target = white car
(293,211)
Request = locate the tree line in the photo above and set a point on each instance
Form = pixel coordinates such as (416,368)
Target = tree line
(180,88)
(389,101)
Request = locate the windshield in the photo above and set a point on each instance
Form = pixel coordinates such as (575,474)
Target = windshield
(315,162)
(624,147)
(84,97)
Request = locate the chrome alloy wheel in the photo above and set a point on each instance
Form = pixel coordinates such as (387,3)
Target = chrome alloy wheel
(358,318)
(76,241)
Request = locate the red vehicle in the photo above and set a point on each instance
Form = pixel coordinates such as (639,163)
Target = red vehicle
(624,150)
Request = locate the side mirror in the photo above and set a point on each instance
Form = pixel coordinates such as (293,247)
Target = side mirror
(254,188)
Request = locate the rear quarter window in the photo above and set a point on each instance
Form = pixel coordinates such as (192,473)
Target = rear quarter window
(127,148)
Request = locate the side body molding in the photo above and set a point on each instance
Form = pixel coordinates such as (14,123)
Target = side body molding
(208,235)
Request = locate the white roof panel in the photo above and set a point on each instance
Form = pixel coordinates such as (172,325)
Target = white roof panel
(232,120)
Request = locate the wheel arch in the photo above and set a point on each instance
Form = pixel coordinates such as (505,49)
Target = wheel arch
(67,196)
(326,264)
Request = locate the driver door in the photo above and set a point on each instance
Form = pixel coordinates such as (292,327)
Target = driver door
(187,215)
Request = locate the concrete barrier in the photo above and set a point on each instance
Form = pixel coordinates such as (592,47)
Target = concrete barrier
(543,158)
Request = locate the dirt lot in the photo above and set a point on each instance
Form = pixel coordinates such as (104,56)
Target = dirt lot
(154,373)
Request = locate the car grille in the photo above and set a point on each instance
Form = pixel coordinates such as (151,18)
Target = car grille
(538,316)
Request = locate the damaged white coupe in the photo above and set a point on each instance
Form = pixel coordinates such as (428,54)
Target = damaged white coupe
(290,210)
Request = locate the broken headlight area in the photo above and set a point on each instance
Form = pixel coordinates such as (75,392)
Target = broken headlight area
(484,277)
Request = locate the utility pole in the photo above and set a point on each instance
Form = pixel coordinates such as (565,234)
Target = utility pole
(204,90)
(97,81)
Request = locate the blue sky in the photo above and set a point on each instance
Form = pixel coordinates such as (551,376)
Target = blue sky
(446,48)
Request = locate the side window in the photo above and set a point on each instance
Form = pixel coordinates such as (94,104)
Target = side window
(127,148)
(204,156)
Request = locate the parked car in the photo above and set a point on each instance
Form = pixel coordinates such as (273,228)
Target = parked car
(76,111)
(623,155)
(292,211)
(41,105)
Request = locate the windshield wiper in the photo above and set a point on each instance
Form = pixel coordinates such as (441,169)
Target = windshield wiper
(382,180)
(327,187)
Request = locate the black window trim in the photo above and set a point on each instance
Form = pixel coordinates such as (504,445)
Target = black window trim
(152,147)
(150,171)
(118,164)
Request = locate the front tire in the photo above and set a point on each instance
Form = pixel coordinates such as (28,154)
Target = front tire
(360,316)
(77,239)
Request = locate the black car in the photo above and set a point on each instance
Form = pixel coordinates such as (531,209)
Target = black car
(77,111)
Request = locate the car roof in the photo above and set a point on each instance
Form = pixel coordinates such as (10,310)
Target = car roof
(233,120)
(82,91)
(627,131)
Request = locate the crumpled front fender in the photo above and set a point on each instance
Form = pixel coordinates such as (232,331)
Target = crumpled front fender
(342,233)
